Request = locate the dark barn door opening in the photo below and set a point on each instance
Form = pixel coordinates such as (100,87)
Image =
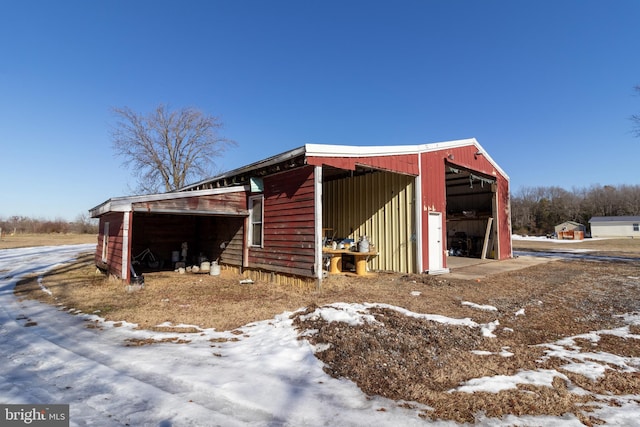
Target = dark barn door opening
(158,240)
(470,213)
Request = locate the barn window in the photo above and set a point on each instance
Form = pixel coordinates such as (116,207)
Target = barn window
(105,242)
(256,218)
(636,227)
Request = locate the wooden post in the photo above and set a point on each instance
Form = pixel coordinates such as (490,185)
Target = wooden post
(361,265)
(487,235)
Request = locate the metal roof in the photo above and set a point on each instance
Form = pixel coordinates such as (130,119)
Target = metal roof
(326,150)
(124,204)
(570,222)
(391,150)
(615,219)
(291,158)
(244,169)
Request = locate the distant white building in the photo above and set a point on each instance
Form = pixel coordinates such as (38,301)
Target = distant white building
(615,226)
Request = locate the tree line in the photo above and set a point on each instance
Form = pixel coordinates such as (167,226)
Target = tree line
(537,210)
(26,225)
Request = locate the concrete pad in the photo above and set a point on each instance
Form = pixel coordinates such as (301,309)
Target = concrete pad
(475,268)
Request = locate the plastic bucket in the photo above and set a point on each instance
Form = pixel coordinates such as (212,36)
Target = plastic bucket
(215,269)
(175,256)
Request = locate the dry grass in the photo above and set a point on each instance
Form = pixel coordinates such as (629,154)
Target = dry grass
(418,360)
(407,358)
(8,241)
(202,300)
(611,247)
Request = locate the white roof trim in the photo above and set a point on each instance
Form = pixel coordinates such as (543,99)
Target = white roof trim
(309,150)
(124,204)
(321,150)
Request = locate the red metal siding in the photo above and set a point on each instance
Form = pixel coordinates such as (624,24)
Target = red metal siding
(504,210)
(226,203)
(289,231)
(467,157)
(434,199)
(405,163)
(434,192)
(127,240)
(115,239)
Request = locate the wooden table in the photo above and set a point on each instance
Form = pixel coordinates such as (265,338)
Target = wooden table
(335,260)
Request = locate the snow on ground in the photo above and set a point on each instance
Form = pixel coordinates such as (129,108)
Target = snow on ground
(567,253)
(264,377)
(548,240)
(479,306)
(560,242)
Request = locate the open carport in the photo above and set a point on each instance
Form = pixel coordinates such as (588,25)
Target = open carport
(140,233)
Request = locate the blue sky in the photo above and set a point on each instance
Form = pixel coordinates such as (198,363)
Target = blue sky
(545,86)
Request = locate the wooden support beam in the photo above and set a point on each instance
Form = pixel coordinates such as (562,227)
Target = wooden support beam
(487,236)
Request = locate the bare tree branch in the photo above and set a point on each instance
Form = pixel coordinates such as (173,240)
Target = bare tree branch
(166,148)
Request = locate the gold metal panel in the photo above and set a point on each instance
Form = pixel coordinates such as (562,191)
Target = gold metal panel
(381,206)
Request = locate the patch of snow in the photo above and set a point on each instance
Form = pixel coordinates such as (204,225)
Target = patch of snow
(591,370)
(43,287)
(504,352)
(592,364)
(498,383)
(479,307)
(489,328)
(559,241)
(433,317)
(351,314)
(594,337)
(566,420)
(321,347)
(631,318)
(178,326)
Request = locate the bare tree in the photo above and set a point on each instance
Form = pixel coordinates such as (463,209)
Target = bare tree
(167,149)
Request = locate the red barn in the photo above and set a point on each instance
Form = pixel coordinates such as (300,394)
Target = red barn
(272,219)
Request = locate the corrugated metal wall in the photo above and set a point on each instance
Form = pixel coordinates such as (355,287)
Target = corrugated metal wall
(114,241)
(381,206)
(434,197)
(289,224)
(614,229)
